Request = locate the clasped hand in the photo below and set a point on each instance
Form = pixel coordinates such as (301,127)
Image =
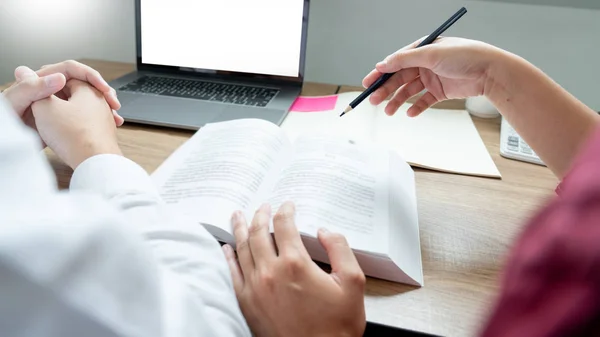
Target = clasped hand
(62,102)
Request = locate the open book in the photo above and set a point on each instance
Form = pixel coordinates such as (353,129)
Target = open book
(442,140)
(364,192)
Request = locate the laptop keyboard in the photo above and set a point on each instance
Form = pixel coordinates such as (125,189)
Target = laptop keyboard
(207,91)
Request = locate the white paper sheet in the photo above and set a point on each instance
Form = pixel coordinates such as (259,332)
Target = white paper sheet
(442,140)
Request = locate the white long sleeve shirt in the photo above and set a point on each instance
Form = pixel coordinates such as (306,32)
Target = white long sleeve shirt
(105,258)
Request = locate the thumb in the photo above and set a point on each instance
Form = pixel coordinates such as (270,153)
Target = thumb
(344,266)
(32,89)
(23,73)
(423,57)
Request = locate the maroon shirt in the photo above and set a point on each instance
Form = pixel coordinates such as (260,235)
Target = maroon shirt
(551,286)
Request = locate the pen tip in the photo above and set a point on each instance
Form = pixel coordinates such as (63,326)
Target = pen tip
(343,113)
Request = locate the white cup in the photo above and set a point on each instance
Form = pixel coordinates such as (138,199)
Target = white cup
(480,106)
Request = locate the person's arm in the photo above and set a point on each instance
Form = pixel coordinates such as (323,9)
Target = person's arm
(106,259)
(551,285)
(551,120)
(191,274)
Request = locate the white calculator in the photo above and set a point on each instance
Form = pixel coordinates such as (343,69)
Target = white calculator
(514,147)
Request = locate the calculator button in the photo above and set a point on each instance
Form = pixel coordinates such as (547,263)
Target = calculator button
(526,150)
(513,143)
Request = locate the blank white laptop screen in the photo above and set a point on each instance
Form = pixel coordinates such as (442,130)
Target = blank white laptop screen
(250,36)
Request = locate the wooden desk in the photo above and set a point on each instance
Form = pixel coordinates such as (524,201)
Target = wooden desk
(467,224)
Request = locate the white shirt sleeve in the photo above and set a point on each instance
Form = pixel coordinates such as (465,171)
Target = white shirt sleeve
(106,258)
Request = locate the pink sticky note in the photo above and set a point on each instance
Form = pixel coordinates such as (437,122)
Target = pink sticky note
(314,104)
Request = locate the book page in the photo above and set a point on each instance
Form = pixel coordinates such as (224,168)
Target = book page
(404,237)
(221,169)
(357,125)
(443,140)
(338,185)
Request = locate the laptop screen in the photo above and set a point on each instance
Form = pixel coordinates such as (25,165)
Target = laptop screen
(249,36)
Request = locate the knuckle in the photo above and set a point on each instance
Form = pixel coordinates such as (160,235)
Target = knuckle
(242,246)
(239,230)
(260,223)
(402,95)
(254,229)
(266,279)
(27,85)
(294,263)
(339,239)
(386,91)
(398,81)
(420,104)
(71,63)
(357,278)
(96,73)
(285,214)
(429,100)
(236,221)
(396,57)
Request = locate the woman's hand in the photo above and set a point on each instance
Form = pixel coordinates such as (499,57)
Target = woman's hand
(449,68)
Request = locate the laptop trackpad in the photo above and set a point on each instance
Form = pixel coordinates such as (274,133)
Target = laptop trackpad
(174,111)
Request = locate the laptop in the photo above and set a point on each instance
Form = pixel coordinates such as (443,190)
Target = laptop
(207,61)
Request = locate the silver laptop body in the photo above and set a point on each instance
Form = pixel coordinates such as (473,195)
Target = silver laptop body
(173,86)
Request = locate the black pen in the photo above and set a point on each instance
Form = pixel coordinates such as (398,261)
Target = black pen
(380,81)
